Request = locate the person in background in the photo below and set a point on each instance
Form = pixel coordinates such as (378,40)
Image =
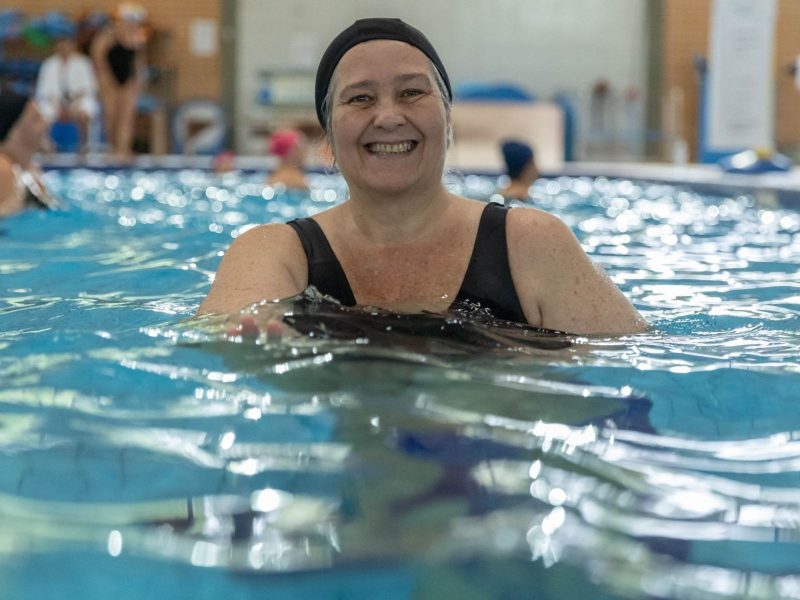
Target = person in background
(118,55)
(402,241)
(223,162)
(289,146)
(22,136)
(66,88)
(521,170)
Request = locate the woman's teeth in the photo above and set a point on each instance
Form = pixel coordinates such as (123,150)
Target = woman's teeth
(391,148)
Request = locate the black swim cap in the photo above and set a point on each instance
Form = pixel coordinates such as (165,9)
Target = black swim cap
(365,30)
(11,107)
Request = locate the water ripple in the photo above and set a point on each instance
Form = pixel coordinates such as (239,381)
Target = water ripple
(664,464)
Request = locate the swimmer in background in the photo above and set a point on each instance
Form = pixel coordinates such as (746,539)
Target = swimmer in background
(118,55)
(402,241)
(289,146)
(22,136)
(521,170)
(223,162)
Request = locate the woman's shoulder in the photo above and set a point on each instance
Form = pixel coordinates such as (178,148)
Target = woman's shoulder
(274,242)
(524,217)
(531,229)
(264,245)
(264,237)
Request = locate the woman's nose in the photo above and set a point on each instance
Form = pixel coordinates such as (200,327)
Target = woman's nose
(388,114)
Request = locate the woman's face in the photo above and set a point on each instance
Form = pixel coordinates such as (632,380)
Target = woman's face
(131,33)
(388,121)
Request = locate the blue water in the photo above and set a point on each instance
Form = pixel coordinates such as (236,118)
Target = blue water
(145,454)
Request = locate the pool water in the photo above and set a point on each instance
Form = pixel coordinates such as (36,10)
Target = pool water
(145,454)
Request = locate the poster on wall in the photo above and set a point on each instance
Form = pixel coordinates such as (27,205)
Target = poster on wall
(203,37)
(741,76)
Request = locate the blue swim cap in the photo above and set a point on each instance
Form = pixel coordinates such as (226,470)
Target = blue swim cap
(58,25)
(365,30)
(517,155)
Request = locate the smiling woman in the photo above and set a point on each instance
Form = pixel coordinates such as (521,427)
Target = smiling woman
(402,241)
(388,125)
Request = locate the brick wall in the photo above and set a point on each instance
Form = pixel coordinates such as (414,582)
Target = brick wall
(787,95)
(193,76)
(686,32)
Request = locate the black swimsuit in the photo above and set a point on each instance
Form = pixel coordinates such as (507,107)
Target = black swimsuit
(487,281)
(121,62)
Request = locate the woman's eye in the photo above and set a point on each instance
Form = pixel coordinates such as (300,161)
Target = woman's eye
(411,93)
(358,99)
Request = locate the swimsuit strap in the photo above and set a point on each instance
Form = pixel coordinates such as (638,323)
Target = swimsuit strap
(324,270)
(488,279)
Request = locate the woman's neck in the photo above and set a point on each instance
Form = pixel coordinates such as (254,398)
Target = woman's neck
(397,219)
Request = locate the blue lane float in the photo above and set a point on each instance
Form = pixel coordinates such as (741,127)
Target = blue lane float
(754,162)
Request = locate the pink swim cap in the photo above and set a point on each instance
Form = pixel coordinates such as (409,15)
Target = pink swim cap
(282,142)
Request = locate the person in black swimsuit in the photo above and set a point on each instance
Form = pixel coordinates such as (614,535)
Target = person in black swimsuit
(118,55)
(401,241)
(22,133)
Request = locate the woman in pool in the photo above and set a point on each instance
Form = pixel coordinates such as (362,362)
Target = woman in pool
(402,241)
(22,134)
(289,147)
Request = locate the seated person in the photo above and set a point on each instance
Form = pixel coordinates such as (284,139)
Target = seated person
(521,170)
(289,146)
(22,135)
(66,89)
(402,241)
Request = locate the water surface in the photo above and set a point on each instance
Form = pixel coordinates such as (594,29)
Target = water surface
(143,452)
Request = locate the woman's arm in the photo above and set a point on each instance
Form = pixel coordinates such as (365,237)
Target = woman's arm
(10,202)
(265,263)
(557,283)
(99,54)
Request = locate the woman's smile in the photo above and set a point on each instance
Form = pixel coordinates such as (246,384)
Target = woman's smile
(390,149)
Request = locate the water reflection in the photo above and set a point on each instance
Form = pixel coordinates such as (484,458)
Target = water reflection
(492,458)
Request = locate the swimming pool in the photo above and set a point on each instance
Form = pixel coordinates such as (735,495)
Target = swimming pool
(143,455)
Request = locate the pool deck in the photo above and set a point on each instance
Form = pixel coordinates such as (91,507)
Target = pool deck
(690,173)
(771,188)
